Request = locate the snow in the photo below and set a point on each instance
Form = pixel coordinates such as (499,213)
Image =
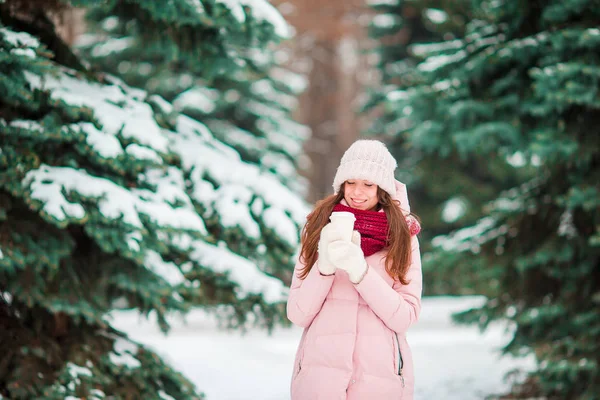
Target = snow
(257,206)
(261,10)
(516,159)
(106,145)
(433,63)
(145,68)
(507,204)
(165,396)
(7,297)
(76,370)
(143,153)
(110,23)
(398,95)
(266,111)
(166,270)
(197,6)
(115,106)
(436,16)
(566,226)
(110,46)
(28,125)
(279,163)
(122,346)
(97,394)
(232,206)
(213,174)
(199,98)
(30,53)
(234,134)
(190,128)
(169,186)
(471,238)
(246,274)
(384,20)
(164,105)
(277,220)
(296,82)
(194,139)
(297,131)
(46,184)
(454,208)
(374,3)
(277,139)
(236,9)
(88,39)
(123,353)
(422,50)
(442,85)
(265,89)
(452,362)
(19,39)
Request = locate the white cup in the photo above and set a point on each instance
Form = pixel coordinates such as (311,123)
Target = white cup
(344,222)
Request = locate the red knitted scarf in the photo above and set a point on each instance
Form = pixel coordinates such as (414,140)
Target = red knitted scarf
(372,226)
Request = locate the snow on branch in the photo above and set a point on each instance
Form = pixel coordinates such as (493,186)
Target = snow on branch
(51,186)
(244,273)
(261,10)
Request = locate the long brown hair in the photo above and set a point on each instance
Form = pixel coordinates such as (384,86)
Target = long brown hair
(398,258)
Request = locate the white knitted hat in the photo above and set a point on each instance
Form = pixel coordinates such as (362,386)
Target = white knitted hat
(369,160)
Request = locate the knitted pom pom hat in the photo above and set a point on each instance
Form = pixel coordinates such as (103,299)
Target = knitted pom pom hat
(369,160)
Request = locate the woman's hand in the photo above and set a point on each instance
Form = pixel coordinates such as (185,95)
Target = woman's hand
(329,234)
(349,257)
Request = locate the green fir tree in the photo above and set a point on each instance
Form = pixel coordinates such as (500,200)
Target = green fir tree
(108,200)
(520,89)
(448,193)
(246,104)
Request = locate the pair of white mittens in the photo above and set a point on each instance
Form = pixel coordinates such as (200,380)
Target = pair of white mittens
(337,253)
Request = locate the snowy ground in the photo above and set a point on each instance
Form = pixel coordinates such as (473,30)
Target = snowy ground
(452,362)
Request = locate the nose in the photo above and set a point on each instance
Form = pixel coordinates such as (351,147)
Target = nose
(357,190)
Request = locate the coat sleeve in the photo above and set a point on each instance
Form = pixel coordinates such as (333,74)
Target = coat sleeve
(307,295)
(399,305)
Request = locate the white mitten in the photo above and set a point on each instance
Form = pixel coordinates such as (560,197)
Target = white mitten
(349,257)
(328,234)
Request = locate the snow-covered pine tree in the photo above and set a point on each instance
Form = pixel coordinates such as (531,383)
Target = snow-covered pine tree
(245,104)
(103,192)
(521,87)
(447,194)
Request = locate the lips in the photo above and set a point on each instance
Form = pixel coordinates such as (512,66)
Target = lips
(358,202)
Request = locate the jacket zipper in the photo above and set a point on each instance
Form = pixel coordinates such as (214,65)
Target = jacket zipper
(400,360)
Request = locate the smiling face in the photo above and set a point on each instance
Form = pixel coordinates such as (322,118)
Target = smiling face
(361,194)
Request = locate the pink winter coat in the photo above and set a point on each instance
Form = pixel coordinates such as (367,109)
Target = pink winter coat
(354,342)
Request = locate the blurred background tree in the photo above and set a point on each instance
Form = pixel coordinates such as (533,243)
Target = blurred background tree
(493,117)
(448,193)
(114,196)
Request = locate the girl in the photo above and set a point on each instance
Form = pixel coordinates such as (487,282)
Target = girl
(356,299)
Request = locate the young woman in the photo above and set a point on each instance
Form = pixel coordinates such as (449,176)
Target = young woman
(357,298)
